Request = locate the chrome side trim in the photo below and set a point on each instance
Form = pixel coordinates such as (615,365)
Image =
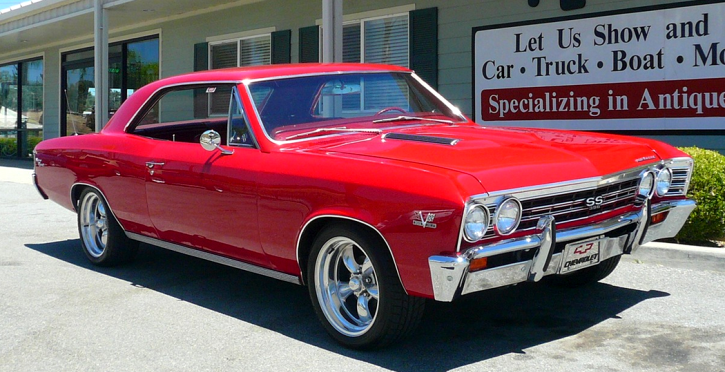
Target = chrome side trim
(302,231)
(215,258)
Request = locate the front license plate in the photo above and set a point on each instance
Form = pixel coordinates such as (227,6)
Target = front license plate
(580,255)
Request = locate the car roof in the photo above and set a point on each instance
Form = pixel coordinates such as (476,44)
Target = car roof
(237,75)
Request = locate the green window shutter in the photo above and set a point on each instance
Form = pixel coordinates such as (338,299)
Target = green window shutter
(281,49)
(309,44)
(201,63)
(201,56)
(424,44)
(572,4)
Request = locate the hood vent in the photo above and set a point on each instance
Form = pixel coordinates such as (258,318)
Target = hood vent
(419,138)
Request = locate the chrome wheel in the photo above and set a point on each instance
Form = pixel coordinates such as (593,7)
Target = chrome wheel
(93,224)
(346,286)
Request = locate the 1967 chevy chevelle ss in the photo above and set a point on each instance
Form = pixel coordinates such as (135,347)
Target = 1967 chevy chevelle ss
(362,183)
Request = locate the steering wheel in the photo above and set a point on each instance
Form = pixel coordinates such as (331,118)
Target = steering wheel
(391,108)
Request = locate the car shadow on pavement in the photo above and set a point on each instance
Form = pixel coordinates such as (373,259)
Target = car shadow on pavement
(471,329)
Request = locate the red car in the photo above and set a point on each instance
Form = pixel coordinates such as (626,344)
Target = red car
(362,183)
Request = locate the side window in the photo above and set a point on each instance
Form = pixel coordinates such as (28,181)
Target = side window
(239,133)
(171,116)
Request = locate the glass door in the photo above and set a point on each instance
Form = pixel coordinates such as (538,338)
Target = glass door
(78,98)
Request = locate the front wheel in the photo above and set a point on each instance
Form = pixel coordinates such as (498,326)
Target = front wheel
(102,238)
(356,292)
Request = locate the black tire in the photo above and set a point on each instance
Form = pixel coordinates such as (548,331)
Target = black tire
(586,276)
(374,309)
(102,238)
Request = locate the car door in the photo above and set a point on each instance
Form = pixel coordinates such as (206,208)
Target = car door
(199,198)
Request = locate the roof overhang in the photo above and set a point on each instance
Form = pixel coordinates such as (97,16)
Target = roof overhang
(39,24)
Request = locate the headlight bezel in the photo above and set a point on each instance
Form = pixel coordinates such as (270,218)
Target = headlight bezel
(497,216)
(648,173)
(472,208)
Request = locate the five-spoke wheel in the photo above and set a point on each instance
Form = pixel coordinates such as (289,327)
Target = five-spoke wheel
(93,224)
(346,286)
(102,238)
(356,291)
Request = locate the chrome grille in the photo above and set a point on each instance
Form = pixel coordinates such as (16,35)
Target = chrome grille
(572,206)
(680,177)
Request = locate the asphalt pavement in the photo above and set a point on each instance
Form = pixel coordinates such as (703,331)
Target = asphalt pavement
(662,310)
(678,255)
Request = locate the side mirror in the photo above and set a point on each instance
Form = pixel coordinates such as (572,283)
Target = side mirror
(210,141)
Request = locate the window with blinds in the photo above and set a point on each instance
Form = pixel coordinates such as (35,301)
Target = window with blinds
(379,40)
(255,51)
(251,51)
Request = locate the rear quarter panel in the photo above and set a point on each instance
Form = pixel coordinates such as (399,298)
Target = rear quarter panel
(111,163)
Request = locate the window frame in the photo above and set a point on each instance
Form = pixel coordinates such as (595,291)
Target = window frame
(156,97)
(238,42)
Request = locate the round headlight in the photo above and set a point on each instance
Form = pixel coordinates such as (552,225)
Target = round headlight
(508,216)
(475,223)
(646,184)
(664,180)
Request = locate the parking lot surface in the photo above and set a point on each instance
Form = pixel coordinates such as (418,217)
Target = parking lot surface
(169,312)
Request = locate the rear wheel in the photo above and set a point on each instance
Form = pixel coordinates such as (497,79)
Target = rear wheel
(586,276)
(102,238)
(356,292)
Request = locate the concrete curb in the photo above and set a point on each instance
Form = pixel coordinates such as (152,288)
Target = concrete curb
(678,255)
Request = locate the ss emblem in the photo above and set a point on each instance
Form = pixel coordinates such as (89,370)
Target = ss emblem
(595,203)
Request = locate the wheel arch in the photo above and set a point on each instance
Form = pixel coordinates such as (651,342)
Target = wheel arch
(315,225)
(75,195)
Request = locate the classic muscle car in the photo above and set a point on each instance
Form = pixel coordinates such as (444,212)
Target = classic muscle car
(362,183)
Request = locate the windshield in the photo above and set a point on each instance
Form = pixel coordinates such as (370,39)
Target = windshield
(293,106)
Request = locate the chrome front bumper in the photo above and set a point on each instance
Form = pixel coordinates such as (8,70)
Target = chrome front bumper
(451,278)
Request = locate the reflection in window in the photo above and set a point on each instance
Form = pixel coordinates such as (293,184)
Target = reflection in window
(32,105)
(132,64)
(80,97)
(21,107)
(8,109)
(290,106)
(384,40)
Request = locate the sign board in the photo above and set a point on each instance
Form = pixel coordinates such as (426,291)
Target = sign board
(648,69)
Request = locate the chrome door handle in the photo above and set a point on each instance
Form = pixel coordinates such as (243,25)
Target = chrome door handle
(152,164)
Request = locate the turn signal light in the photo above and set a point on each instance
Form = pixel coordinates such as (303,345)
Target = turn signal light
(478,264)
(657,218)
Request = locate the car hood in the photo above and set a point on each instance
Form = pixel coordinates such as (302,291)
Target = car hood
(505,158)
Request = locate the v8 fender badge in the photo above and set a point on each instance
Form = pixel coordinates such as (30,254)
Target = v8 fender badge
(424,221)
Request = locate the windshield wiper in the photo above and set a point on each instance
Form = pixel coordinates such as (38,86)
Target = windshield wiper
(322,130)
(410,118)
